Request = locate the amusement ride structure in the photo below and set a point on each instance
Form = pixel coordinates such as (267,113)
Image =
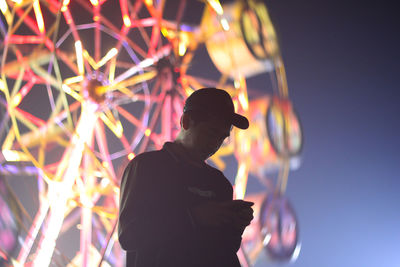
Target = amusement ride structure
(87,85)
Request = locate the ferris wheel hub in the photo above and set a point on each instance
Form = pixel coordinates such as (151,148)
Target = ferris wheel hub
(94,89)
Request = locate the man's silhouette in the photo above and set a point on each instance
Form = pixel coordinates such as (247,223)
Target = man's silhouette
(176,210)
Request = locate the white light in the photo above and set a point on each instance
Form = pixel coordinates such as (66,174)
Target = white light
(296,252)
(225,24)
(266,239)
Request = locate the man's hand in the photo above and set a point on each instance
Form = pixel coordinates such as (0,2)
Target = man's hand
(236,212)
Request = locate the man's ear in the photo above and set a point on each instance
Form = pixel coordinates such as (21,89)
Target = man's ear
(185,121)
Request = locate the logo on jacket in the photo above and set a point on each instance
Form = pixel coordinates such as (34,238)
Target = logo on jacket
(202,193)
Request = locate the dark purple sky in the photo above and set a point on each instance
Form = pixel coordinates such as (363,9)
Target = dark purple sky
(342,63)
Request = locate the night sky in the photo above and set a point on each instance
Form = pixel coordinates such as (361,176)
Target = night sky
(342,63)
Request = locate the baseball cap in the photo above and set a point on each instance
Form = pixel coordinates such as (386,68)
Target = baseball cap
(216,102)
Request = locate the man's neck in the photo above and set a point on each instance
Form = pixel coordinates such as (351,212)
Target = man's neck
(188,153)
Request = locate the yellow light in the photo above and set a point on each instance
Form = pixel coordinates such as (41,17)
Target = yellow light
(16,100)
(79,57)
(182,48)
(164,32)
(39,16)
(65,5)
(66,2)
(110,54)
(243,101)
(147,132)
(3,6)
(127,21)
(16,263)
(148,2)
(119,130)
(104,182)
(105,164)
(116,127)
(14,155)
(216,5)
(71,92)
(131,156)
(89,59)
(3,85)
(236,84)
(111,75)
(225,24)
(94,2)
(240,181)
(75,79)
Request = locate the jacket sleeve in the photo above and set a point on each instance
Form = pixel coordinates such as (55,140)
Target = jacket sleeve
(147,218)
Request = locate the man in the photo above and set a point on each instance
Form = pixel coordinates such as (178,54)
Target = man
(175,210)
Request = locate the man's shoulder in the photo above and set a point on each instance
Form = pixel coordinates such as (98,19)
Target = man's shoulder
(151,156)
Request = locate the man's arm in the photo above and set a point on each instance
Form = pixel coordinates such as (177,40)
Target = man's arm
(231,217)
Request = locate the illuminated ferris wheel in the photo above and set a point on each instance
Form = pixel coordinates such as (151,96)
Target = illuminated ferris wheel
(87,85)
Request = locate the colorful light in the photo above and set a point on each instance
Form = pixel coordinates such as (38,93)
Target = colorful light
(79,57)
(3,85)
(225,24)
(216,5)
(3,6)
(75,79)
(39,16)
(94,2)
(110,54)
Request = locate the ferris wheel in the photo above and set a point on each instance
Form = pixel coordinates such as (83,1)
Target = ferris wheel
(87,85)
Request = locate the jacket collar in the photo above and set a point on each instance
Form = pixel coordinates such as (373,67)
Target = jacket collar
(180,154)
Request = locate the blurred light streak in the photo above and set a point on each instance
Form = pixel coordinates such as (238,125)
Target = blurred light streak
(216,5)
(75,79)
(33,232)
(89,59)
(65,5)
(266,239)
(23,39)
(241,180)
(127,21)
(133,70)
(182,49)
(5,11)
(110,54)
(3,6)
(296,252)
(60,192)
(79,57)
(39,16)
(125,15)
(243,100)
(111,74)
(16,100)
(225,24)
(94,2)
(3,86)
(115,127)
(14,155)
(72,93)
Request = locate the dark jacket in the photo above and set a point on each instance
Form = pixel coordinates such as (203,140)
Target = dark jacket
(156,229)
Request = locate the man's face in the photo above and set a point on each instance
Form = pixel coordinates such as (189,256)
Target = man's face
(207,136)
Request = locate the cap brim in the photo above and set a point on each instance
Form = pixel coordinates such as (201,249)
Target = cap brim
(240,121)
